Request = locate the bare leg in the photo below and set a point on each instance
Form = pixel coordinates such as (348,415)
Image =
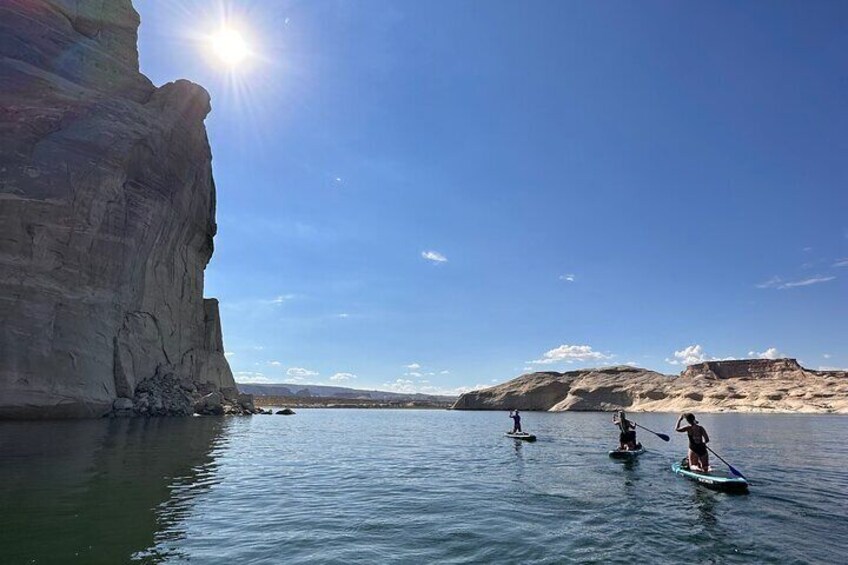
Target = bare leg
(693,460)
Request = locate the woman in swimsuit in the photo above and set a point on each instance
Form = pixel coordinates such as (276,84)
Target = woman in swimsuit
(699,457)
(627,437)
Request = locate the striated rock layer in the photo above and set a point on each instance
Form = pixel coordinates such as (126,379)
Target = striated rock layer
(107,214)
(753,385)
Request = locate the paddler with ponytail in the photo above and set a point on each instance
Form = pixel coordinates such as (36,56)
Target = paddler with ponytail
(699,457)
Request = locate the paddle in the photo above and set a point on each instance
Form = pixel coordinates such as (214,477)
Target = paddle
(733,469)
(661,436)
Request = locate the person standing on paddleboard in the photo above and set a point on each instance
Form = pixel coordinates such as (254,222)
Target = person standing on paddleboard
(627,437)
(516,426)
(699,457)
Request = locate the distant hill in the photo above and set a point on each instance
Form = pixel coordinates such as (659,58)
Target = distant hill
(744,385)
(324,391)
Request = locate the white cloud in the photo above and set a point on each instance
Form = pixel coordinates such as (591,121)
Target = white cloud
(300,372)
(841,263)
(826,355)
(780,284)
(446,372)
(414,374)
(282,298)
(806,282)
(274,363)
(827,368)
(770,353)
(434,256)
(229,354)
(413,366)
(692,355)
(568,277)
(341,377)
(570,354)
(632,363)
(343,315)
(771,283)
(407,386)
(249,377)
(688,356)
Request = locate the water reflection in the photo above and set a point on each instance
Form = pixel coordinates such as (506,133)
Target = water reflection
(88,491)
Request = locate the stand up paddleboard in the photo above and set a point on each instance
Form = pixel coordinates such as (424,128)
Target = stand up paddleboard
(713,480)
(521,435)
(627,454)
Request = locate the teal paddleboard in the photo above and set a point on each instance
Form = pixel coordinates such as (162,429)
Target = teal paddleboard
(713,480)
(626,454)
(521,435)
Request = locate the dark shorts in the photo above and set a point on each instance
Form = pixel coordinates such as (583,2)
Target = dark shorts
(699,449)
(627,437)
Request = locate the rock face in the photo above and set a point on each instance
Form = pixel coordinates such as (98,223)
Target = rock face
(753,385)
(107,214)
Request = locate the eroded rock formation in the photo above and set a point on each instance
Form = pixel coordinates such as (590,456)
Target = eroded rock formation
(752,385)
(107,216)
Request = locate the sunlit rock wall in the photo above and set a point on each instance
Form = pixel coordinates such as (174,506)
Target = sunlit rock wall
(107,215)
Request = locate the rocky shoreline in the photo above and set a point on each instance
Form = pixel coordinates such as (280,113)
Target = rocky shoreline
(748,385)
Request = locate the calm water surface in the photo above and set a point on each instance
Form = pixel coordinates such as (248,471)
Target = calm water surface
(377,486)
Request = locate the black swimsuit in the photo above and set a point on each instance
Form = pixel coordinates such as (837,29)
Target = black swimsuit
(699,448)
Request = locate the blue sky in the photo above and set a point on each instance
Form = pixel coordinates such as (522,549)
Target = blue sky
(439,195)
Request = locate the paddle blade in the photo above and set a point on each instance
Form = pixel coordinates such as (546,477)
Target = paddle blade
(736,472)
(663,437)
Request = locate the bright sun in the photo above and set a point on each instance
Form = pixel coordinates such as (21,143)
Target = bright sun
(230,47)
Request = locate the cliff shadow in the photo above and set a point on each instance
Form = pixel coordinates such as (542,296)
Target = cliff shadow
(90,491)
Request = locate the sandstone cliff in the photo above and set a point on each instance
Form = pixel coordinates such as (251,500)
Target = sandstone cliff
(753,385)
(107,214)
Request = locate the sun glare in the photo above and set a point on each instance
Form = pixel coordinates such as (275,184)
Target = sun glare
(230,47)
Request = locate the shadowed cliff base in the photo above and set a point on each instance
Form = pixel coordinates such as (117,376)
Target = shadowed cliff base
(108,219)
(748,385)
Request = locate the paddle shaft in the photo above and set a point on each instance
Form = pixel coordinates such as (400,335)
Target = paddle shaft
(661,436)
(729,466)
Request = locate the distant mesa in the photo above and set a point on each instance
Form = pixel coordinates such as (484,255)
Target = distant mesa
(749,385)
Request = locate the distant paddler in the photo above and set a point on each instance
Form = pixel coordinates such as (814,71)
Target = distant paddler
(699,457)
(627,435)
(516,419)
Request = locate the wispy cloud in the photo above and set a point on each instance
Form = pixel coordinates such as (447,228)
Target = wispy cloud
(343,315)
(841,263)
(281,299)
(413,366)
(780,284)
(408,386)
(570,354)
(300,373)
(274,363)
(770,353)
(434,256)
(568,277)
(342,377)
(250,377)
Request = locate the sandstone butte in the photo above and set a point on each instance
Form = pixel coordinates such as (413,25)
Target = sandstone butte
(107,216)
(753,385)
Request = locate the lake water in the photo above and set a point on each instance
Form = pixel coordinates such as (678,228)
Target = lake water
(379,486)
